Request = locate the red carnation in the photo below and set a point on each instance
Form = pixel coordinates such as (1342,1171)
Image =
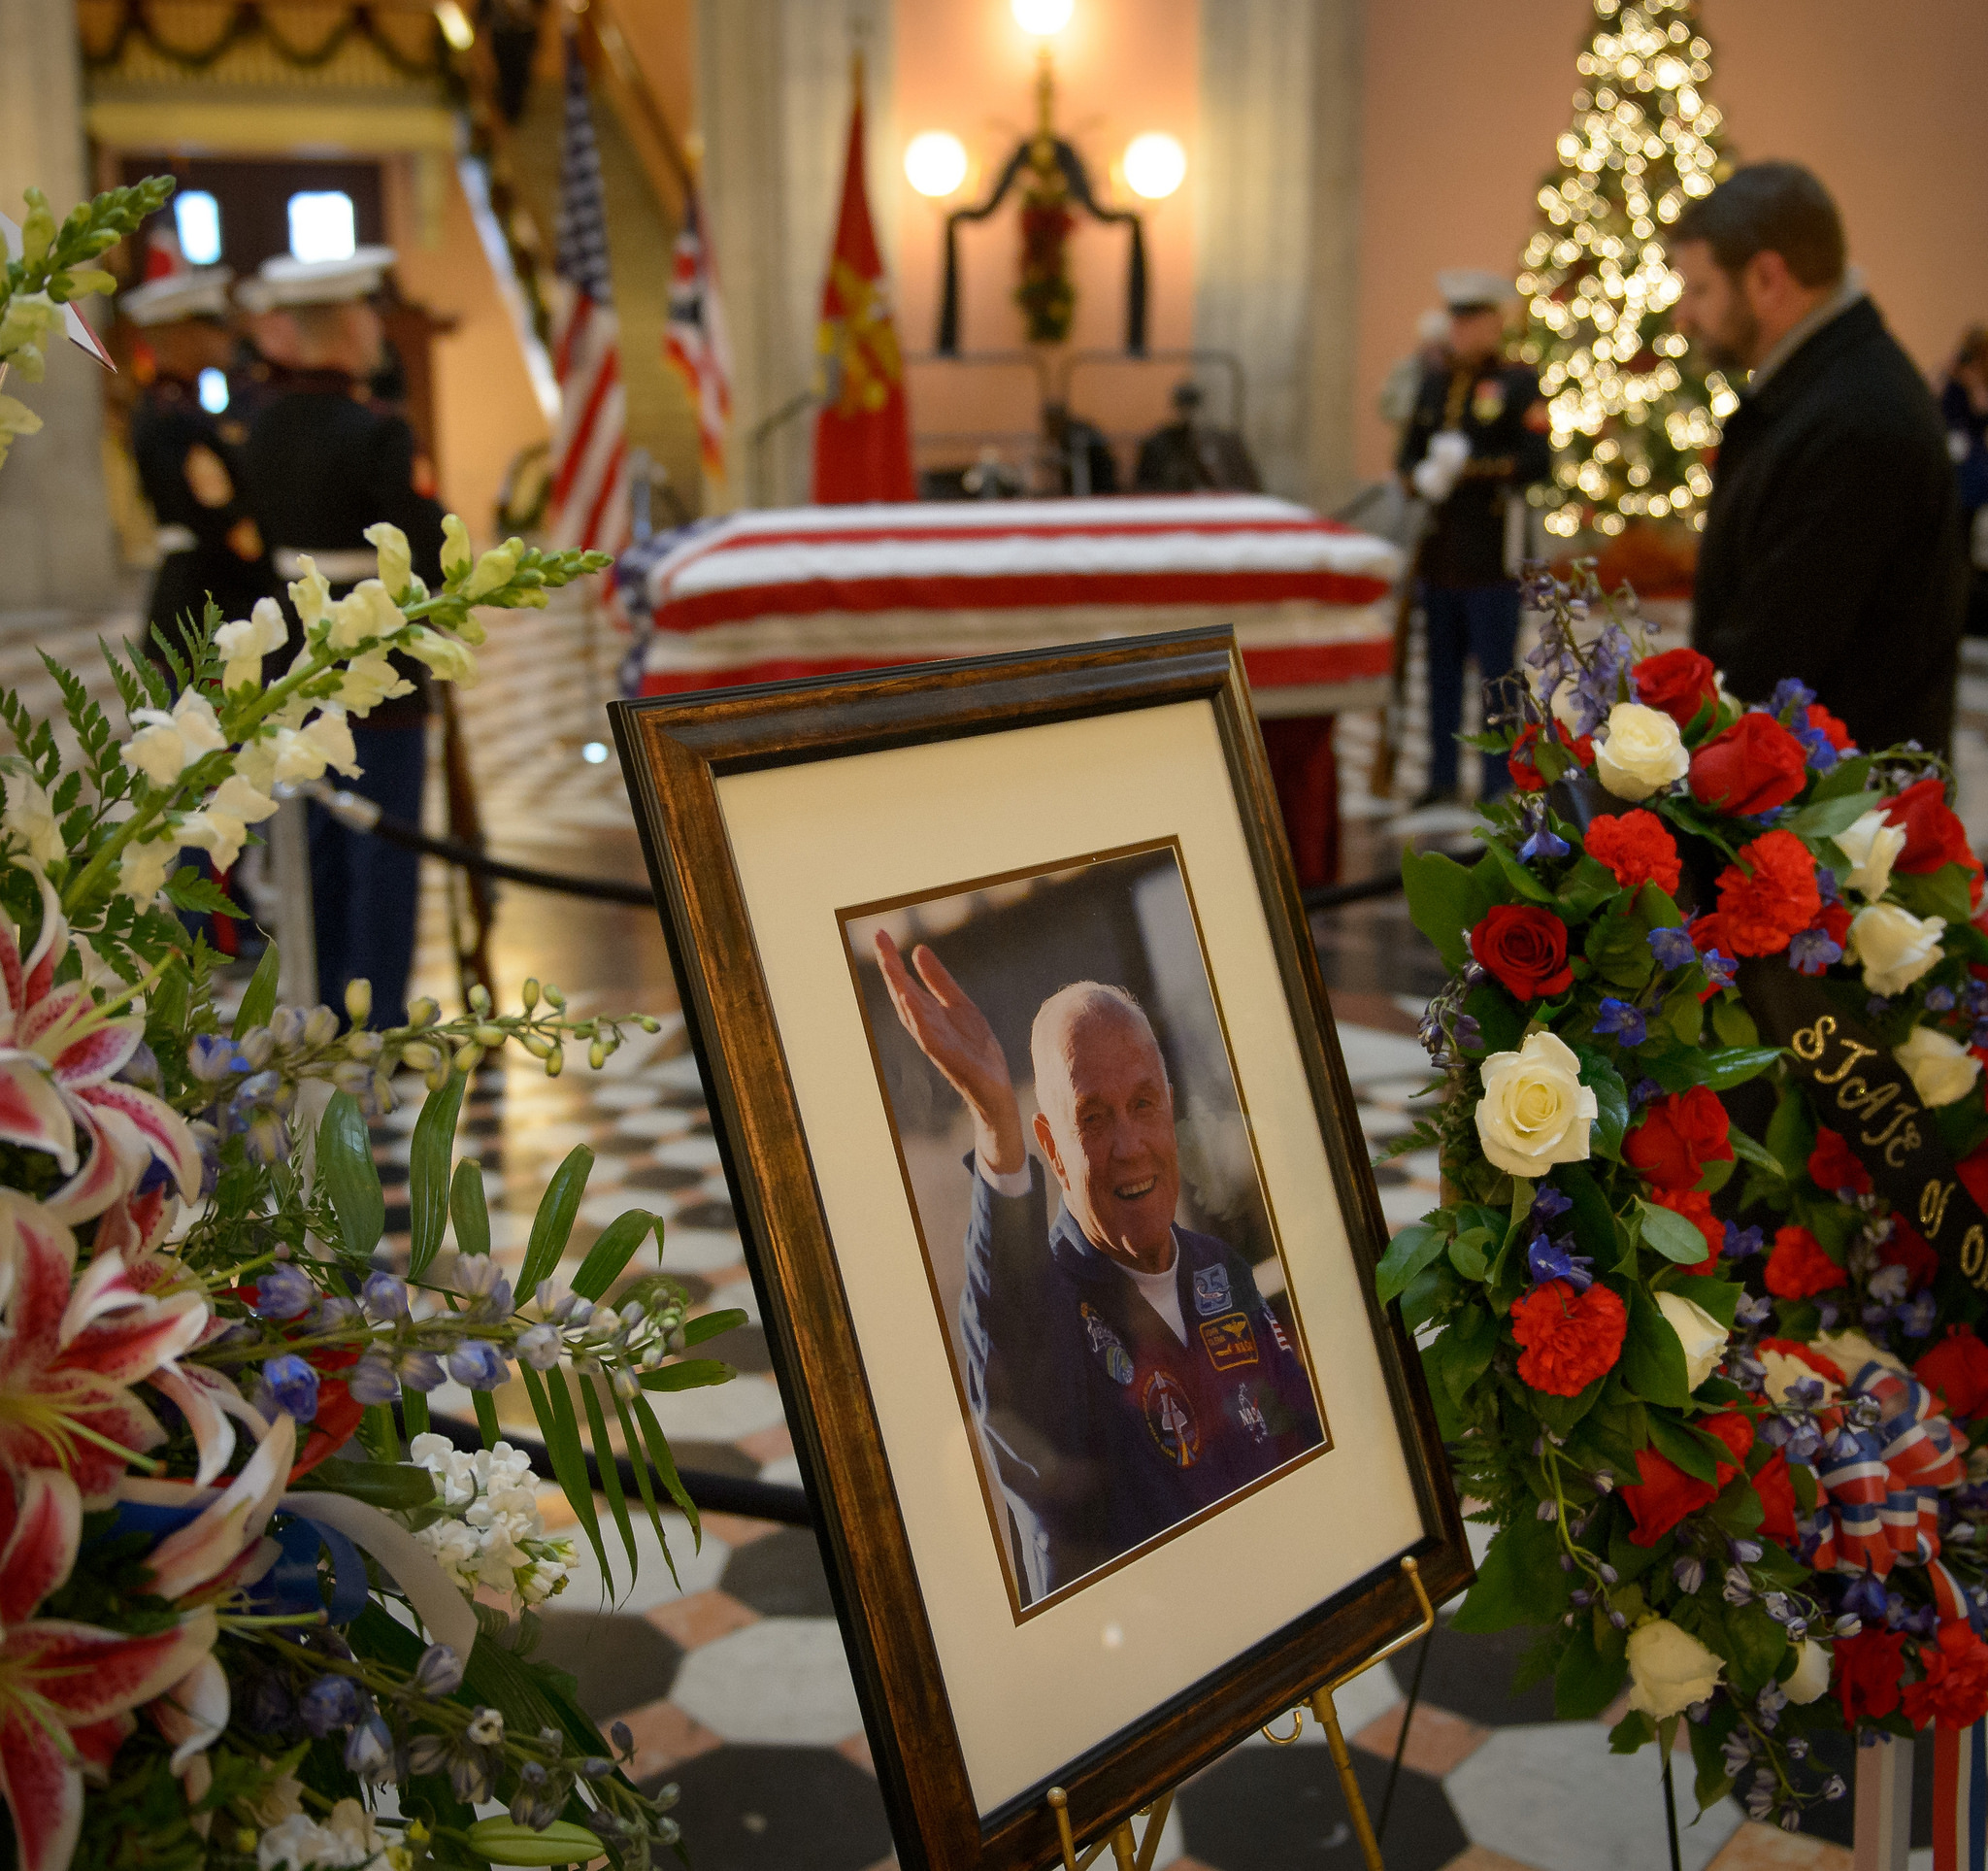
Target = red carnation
(1956,1371)
(1835,922)
(1696,1207)
(1680,682)
(1909,1250)
(1525,950)
(1777,1490)
(1954,1690)
(1833,732)
(1518,761)
(1770,895)
(1568,1338)
(1798,1268)
(1637,848)
(1834,1167)
(1933,835)
(1665,1493)
(1754,766)
(1868,1667)
(1679,1135)
(1820,1362)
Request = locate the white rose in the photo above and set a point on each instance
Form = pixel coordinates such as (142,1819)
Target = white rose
(369,680)
(457,555)
(447,658)
(1850,1352)
(1942,1070)
(396,561)
(1702,1335)
(1871,845)
(1784,1372)
(143,869)
(1811,1673)
(244,643)
(363,616)
(1643,753)
(1894,945)
(1668,1669)
(310,593)
(1535,1111)
(31,818)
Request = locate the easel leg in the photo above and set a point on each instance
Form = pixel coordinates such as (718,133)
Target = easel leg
(1349,1785)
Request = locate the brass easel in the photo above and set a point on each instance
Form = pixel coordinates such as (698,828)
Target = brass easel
(1131,1852)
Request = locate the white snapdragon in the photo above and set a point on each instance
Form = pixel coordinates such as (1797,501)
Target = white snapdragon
(449,659)
(166,745)
(310,593)
(396,561)
(493,1536)
(221,826)
(143,869)
(363,616)
(244,643)
(370,680)
(495,568)
(457,555)
(30,816)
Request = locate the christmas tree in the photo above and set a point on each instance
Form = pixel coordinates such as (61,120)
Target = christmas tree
(1631,419)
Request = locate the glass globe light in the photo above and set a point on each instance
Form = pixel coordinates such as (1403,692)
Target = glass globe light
(936,163)
(1155,165)
(1042,17)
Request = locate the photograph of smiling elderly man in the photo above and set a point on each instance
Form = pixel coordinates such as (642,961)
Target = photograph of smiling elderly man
(1125,1355)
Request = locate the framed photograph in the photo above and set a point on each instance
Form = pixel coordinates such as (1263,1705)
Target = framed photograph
(1058,1208)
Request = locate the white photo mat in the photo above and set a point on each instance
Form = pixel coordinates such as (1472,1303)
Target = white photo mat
(810,838)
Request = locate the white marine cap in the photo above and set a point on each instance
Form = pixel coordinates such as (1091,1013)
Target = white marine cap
(1466,288)
(284,281)
(198,292)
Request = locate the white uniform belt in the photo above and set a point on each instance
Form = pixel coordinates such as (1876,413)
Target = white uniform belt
(175,539)
(338,565)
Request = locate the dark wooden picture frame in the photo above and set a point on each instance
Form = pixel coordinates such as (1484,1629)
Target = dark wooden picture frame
(675,752)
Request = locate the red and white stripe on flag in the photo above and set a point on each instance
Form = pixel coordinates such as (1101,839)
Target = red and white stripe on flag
(590,451)
(1960,1799)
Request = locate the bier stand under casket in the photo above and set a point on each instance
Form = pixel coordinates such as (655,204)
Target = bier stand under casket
(777,594)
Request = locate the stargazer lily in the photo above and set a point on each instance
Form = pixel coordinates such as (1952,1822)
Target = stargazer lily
(66,1690)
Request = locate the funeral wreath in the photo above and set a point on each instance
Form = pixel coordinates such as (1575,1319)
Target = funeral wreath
(254,1610)
(1700,1312)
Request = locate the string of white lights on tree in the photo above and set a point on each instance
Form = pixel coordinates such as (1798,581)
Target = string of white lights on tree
(1630,418)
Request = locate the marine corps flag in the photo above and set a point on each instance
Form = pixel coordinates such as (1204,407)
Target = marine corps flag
(862,436)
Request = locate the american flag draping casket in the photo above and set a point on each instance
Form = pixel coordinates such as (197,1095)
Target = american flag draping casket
(768,595)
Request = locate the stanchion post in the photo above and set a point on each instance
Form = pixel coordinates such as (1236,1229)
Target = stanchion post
(295,931)
(1883,1829)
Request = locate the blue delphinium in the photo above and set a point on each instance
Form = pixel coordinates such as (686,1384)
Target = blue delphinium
(1543,841)
(1623,1020)
(1719,968)
(1743,1243)
(1813,951)
(1555,1259)
(1674,947)
(290,1386)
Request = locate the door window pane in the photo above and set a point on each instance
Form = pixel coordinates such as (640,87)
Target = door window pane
(321,226)
(197,220)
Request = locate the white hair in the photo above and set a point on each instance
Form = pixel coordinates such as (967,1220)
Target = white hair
(1066,1009)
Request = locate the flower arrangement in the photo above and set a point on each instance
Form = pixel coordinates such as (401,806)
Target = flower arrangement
(239,1611)
(1718,985)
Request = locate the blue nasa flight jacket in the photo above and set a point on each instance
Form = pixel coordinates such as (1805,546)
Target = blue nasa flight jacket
(1105,1429)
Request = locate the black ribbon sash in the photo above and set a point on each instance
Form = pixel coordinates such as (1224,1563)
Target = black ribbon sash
(1864,1094)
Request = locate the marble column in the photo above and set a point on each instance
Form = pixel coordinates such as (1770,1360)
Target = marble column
(56,549)
(773,82)
(1276,186)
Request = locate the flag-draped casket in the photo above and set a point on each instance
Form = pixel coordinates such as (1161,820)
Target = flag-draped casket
(771,595)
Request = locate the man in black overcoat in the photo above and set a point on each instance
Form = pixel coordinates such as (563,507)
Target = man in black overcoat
(1832,547)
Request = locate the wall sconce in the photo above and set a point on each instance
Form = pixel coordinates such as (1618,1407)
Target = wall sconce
(1042,17)
(1155,165)
(936,163)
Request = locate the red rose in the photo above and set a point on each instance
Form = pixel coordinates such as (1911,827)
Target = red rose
(1933,835)
(1519,763)
(1868,1667)
(1525,950)
(1833,732)
(1956,1371)
(1954,1690)
(1798,1268)
(1696,1207)
(1909,1250)
(1637,848)
(1665,1493)
(1708,932)
(1974,1174)
(1777,1490)
(1833,1166)
(1680,682)
(1754,766)
(1679,1135)
(1569,1339)
(1770,895)
(1820,1362)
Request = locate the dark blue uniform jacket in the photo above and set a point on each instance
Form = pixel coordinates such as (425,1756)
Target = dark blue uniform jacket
(1105,1429)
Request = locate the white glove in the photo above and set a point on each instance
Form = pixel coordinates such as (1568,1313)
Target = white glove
(1435,474)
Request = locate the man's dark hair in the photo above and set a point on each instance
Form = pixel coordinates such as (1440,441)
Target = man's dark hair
(1769,206)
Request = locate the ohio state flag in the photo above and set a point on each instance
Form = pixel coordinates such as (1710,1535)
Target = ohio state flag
(863,433)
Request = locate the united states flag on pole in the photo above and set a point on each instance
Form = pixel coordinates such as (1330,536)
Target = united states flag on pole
(695,342)
(589,452)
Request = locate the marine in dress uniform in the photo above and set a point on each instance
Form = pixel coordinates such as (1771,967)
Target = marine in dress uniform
(1123,1372)
(324,462)
(189,458)
(1477,439)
